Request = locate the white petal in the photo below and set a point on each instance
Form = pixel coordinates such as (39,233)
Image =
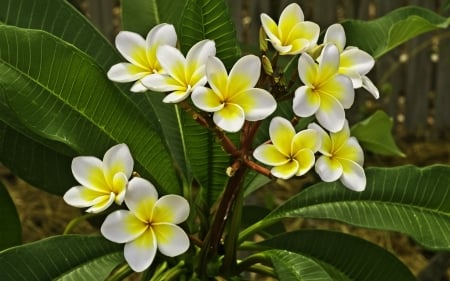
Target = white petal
(88,171)
(171,209)
(270,155)
(305,102)
(217,76)
(281,134)
(330,114)
(341,88)
(353,176)
(290,15)
(329,63)
(81,197)
(161,83)
(199,54)
(285,171)
(306,139)
(132,47)
(205,99)
(326,145)
(161,34)
(172,62)
(230,118)
(328,169)
(357,60)
(126,72)
(335,34)
(141,252)
(141,197)
(172,240)
(270,28)
(138,87)
(176,97)
(122,226)
(307,69)
(244,74)
(370,87)
(102,203)
(118,159)
(256,103)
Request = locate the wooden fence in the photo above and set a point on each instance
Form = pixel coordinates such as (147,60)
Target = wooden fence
(413,79)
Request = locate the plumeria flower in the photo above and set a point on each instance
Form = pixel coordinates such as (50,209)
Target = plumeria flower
(182,75)
(342,158)
(140,54)
(149,225)
(290,153)
(292,35)
(354,62)
(233,98)
(102,182)
(325,93)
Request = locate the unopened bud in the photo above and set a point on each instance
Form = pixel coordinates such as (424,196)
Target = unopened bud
(316,51)
(262,40)
(267,65)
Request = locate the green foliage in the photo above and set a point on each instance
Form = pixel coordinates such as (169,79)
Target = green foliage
(407,199)
(393,29)
(10,229)
(69,257)
(87,112)
(333,256)
(375,134)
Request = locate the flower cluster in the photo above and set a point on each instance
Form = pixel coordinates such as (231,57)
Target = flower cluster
(149,224)
(329,74)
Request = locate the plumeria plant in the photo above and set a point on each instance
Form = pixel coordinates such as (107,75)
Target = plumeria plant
(165,138)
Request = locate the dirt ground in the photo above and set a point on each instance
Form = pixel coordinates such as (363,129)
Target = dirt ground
(43,214)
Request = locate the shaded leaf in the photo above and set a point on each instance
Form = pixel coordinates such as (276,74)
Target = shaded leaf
(141,15)
(375,134)
(407,199)
(392,29)
(62,95)
(210,19)
(341,256)
(69,257)
(10,228)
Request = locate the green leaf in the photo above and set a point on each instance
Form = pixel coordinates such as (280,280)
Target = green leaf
(210,19)
(252,214)
(62,20)
(10,228)
(392,29)
(374,134)
(141,15)
(69,257)
(292,266)
(407,199)
(340,256)
(61,94)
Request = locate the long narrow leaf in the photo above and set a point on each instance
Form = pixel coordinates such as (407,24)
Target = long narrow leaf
(10,228)
(342,256)
(70,257)
(61,94)
(411,200)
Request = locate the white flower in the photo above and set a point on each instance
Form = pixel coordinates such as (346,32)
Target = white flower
(326,93)
(149,225)
(102,182)
(182,75)
(354,62)
(292,35)
(290,153)
(233,98)
(342,158)
(140,54)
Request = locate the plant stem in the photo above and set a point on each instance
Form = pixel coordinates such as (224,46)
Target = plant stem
(254,228)
(120,273)
(74,222)
(251,261)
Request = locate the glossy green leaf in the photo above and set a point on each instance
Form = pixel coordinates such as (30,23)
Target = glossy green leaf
(392,29)
(69,257)
(336,256)
(210,19)
(61,19)
(407,199)
(292,266)
(10,228)
(141,15)
(61,94)
(375,134)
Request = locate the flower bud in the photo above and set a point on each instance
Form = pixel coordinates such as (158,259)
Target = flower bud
(262,40)
(267,65)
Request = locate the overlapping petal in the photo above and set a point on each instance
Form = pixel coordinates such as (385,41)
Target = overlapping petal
(292,35)
(102,182)
(285,171)
(140,54)
(328,169)
(141,252)
(141,197)
(353,175)
(281,133)
(172,240)
(232,97)
(171,209)
(122,226)
(270,155)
